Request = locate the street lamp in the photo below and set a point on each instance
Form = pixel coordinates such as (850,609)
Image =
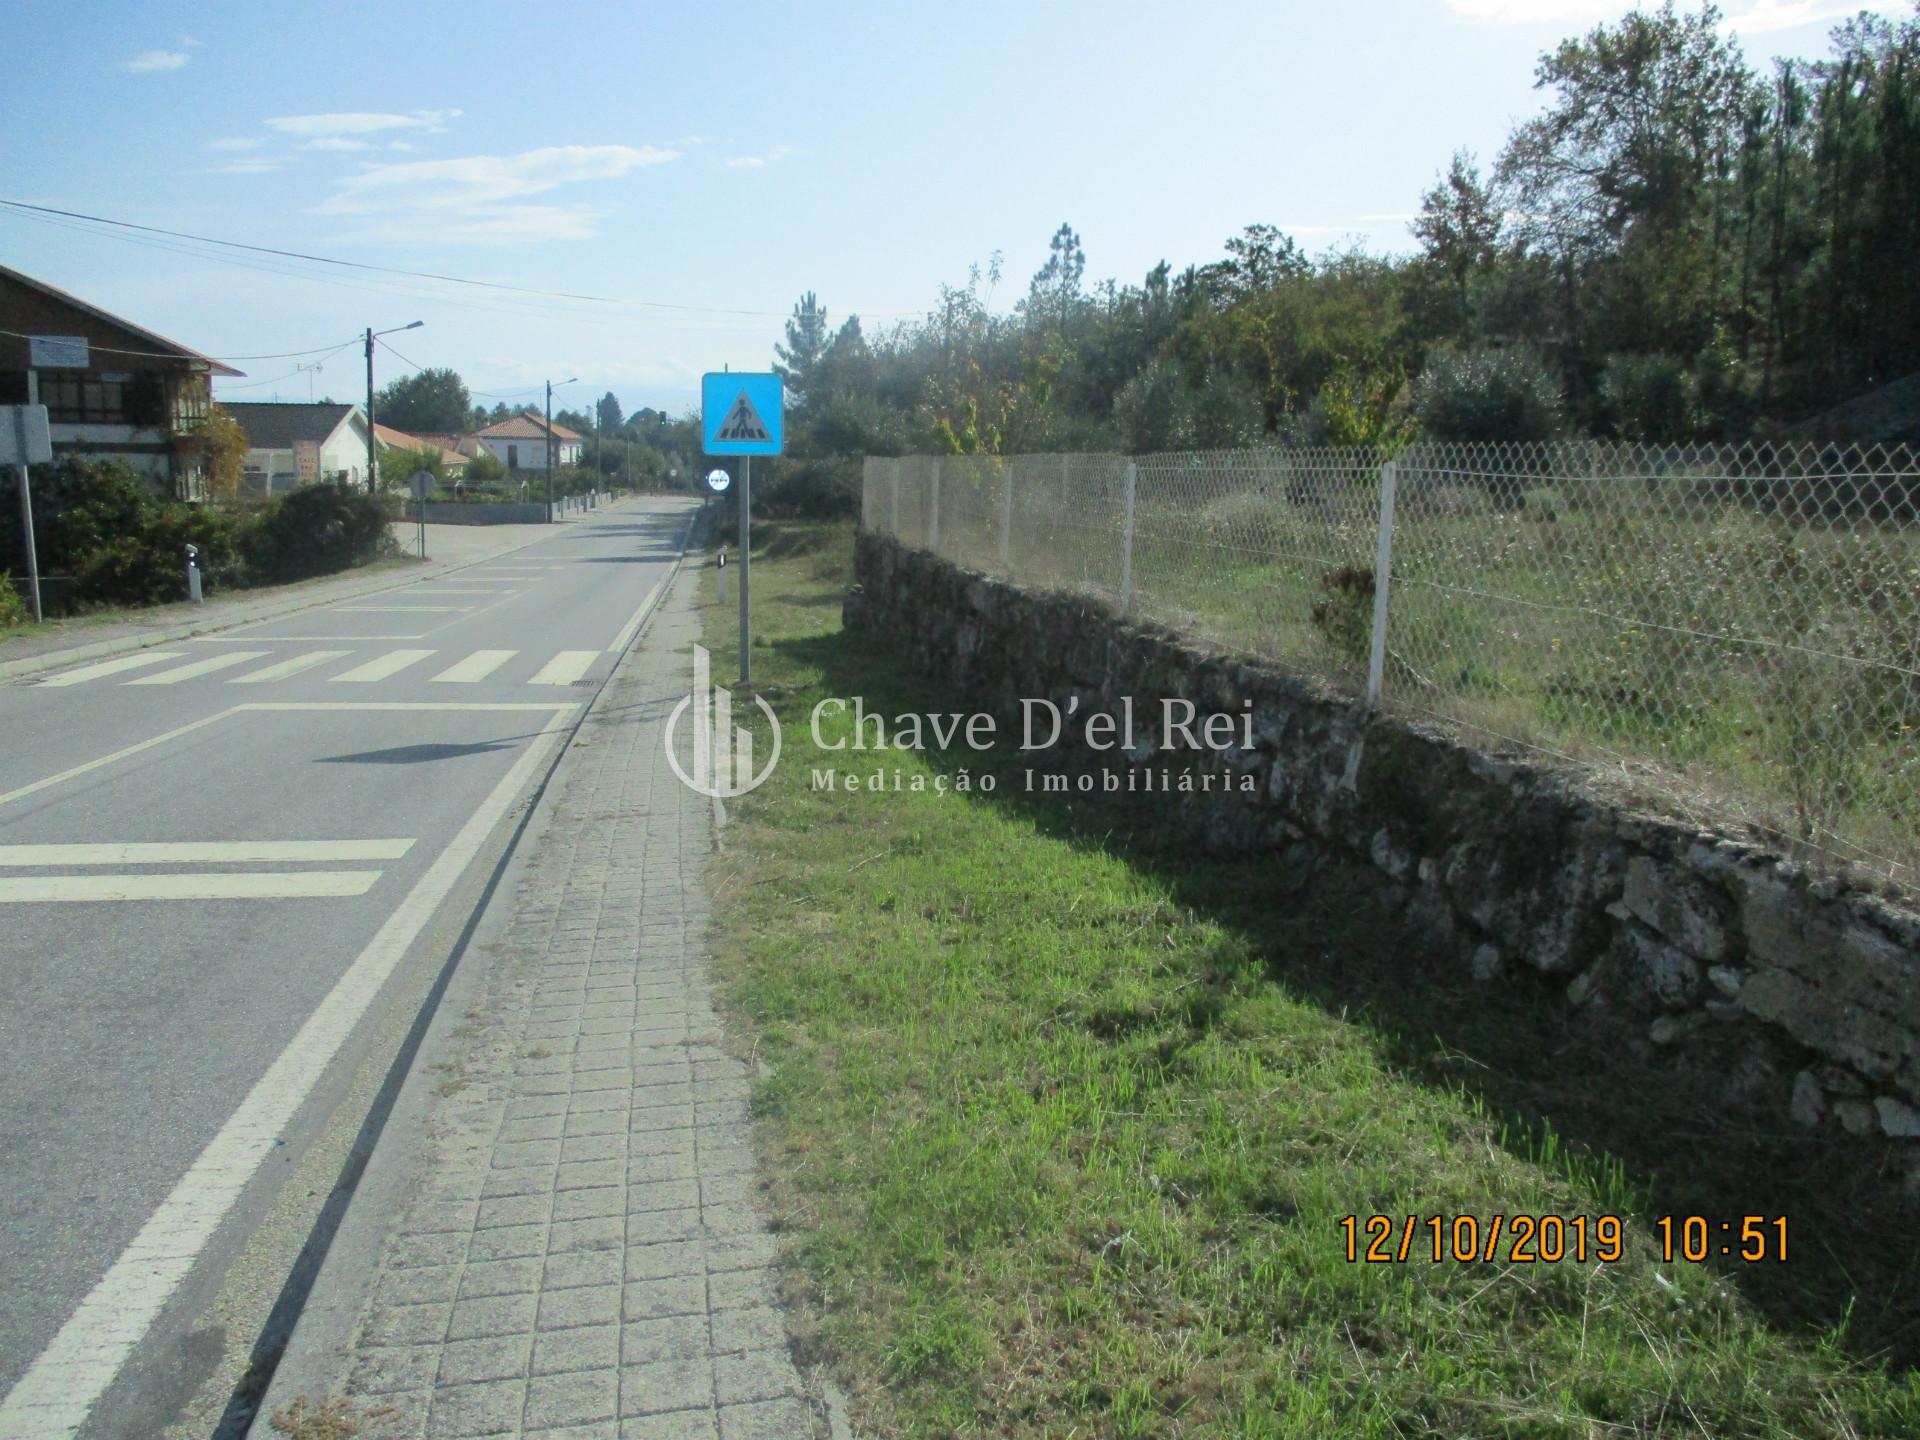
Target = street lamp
(372,451)
(550,384)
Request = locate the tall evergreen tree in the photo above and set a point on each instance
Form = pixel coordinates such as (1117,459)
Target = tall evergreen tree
(806,343)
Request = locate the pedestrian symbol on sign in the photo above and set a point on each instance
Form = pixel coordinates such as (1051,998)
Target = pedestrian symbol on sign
(743,422)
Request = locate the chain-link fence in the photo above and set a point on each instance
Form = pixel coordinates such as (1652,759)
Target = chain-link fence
(1735,628)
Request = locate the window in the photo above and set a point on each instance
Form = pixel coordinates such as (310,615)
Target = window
(83,399)
(513,457)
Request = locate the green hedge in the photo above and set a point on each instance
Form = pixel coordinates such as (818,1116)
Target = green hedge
(100,525)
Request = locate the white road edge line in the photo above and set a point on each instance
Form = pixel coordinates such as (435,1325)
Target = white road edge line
(216,885)
(59,1390)
(626,630)
(201,852)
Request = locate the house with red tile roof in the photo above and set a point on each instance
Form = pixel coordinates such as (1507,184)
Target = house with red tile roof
(520,442)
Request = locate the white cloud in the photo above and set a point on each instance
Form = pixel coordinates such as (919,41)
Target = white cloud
(1748,17)
(237,142)
(1769,15)
(482,198)
(359,122)
(336,143)
(757,162)
(150,62)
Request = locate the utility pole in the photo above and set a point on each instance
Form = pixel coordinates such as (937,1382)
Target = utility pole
(550,447)
(372,444)
(373,460)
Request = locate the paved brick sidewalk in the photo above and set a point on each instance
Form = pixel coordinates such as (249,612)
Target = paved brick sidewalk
(581,1254)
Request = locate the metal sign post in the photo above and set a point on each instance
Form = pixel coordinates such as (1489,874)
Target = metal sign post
(746,568)
(422,482)
(744,415)
(25,440)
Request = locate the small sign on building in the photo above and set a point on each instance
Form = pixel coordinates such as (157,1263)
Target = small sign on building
(58,352)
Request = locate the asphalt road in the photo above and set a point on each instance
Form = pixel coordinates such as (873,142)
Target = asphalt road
(224,863)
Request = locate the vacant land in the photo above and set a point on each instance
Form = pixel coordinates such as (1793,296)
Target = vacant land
(1754,664)
(1064,1129)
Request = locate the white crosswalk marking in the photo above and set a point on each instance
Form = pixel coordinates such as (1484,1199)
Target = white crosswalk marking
(200,852)
(565,668)
(113,667)
(284,668)
(476,666)
(246,885)
(197,668)
(392,663)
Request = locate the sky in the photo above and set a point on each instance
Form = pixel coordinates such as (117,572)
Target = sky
(695,168)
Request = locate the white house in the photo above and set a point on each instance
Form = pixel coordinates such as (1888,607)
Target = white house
(520,443)
(297,443)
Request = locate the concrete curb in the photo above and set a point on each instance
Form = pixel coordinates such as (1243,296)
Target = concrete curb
(313,1360)
(124,644)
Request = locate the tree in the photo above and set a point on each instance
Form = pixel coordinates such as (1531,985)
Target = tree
(432,400)
(1458,226)
(1056,284)
(607,413)
(1259,258)
(1618,179)
(806,343)
(224,443)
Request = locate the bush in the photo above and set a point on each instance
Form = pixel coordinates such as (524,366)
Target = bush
(1165,407)
(13,610)
(101,525)
(1653,398)
(1488,394)
(485,468)
(148,566)
(809,489)
(315,530)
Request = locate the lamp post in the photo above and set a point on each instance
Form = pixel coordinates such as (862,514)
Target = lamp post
(550,385)
(373,462)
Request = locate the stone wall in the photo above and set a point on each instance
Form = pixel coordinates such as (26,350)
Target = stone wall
(453,512)
(1510,865)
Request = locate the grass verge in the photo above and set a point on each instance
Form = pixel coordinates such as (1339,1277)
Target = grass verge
(1064,1130)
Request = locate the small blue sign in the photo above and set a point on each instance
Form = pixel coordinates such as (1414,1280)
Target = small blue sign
(742,414)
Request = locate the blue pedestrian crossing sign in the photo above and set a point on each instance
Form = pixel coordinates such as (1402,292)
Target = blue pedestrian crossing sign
(742,414)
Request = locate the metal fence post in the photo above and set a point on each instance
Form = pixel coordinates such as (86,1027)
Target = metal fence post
(1126,538)
(1006,515)
(933,504)
(1382,573)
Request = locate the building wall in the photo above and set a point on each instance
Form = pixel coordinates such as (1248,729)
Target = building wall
(172,392)
(532,454)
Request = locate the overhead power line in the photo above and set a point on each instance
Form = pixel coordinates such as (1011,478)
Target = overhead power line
(389,269)
(172,355)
